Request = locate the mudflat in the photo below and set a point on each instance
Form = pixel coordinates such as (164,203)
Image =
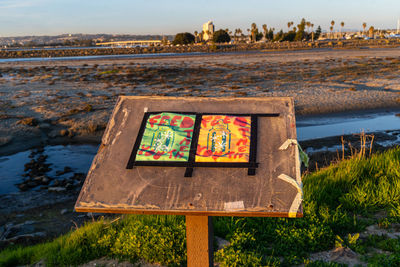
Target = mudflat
(70,101)
(58,101)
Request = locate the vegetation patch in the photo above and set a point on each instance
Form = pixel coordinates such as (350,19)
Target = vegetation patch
(340,203)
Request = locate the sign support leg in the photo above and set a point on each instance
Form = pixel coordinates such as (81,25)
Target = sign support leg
(199,240)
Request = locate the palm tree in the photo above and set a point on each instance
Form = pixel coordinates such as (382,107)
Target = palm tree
(342,25)
(289,24)
(253,31)
(331,28)
(371,32)
(209,37)
(265,30)
(236,35)
(364,26)
(195,35)
(308,24)
(332,24)
(312,32)
(201,36)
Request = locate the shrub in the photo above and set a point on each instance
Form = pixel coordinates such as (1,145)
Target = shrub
(155,243)
(221,36)
(240,252)
(183,38)
(289,36)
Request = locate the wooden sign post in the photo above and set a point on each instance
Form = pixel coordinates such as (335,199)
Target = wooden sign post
(199,240)
(198,157)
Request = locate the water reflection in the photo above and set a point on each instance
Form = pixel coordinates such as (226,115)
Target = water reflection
(78,157)
(308,129)
(4,60)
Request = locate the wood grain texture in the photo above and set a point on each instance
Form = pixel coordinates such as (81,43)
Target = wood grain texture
(110,187)
(199,240)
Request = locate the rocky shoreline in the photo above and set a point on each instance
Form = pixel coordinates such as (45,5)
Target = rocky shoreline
(26,215)
(197,48)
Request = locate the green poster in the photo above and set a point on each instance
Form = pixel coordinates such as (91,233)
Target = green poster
(167,137)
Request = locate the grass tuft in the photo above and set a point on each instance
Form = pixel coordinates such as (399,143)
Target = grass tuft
(359,185)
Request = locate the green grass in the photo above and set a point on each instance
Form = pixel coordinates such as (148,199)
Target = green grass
(339,202)
(359,185)
(152,238)
(73,248)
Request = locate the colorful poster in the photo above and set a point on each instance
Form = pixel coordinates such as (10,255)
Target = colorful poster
(224,139)
(167,137)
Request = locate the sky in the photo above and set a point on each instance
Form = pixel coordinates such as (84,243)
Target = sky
(53,17)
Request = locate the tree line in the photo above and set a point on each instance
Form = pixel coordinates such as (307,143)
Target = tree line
(300,33)
(304,31)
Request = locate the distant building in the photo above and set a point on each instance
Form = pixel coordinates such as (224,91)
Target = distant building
(398,26)
(208,30)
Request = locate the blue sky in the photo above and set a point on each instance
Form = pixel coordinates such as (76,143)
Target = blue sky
(51,17)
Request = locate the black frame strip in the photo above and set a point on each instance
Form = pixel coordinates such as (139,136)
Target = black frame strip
(197,164)
(193,145)
(253,144)
(216,113)
(131,161)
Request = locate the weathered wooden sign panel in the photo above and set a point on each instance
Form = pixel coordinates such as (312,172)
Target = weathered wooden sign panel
(197,156)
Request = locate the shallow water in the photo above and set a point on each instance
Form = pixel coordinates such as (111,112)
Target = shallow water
(3,60)
(56,48)
(78,157)
(313,128)
(108,47)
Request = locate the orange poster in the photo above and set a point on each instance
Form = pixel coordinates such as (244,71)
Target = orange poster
(224,139)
